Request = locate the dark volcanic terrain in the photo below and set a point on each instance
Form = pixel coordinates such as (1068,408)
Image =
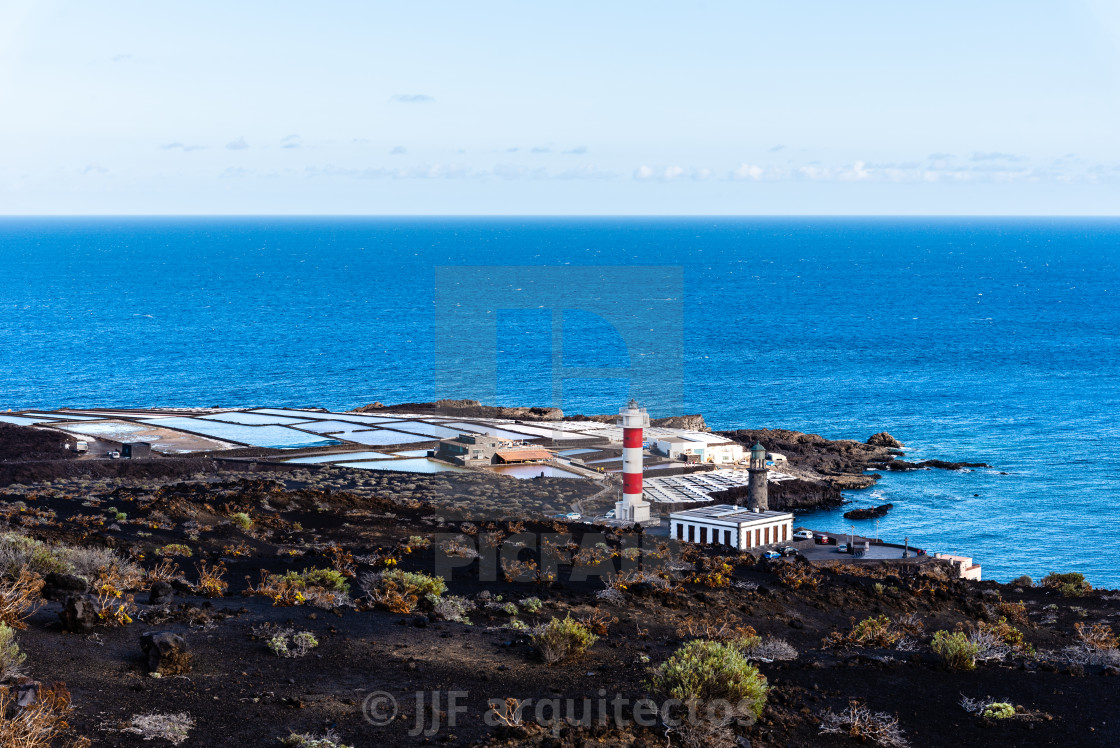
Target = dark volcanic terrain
(320,551)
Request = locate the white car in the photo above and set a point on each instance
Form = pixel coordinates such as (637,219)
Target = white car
(803,535)
(842,548)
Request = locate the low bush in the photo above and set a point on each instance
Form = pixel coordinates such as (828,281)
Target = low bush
(531,604)
(999,710)
(211,581)
(1071,584)
(562,640)
(719,627)
(401,591)
(174,728)
(708,671)
(1098,636)
(289,643)
(955,649)
(175,549)
(18,552)
(1016,612)
(11,659)
(1023,581)
(864,725)
(19,597)
(111,605)
(771,649)
(452,608)
(323,588)
(307,740)
(41,724)
(880,631)
(242,520)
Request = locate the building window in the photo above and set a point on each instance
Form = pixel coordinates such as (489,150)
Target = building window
(766,535)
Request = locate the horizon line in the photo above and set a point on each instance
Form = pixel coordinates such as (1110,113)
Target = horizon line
(562,215)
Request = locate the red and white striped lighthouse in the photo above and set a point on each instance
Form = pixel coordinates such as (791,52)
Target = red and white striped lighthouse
(632,508)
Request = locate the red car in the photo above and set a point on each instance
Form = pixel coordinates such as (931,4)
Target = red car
(824,540)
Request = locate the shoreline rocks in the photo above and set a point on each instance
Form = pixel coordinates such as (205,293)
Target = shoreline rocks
(883,439)
(874,512)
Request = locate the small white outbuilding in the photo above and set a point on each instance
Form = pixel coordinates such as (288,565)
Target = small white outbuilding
(731,525)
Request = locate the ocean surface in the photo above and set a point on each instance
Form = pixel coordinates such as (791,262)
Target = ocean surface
(981,340)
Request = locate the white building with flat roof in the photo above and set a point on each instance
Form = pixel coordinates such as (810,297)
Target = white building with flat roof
(731,525)
(698,448)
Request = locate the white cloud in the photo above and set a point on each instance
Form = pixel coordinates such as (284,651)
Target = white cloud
(670,173)
(239,144)
(748,171)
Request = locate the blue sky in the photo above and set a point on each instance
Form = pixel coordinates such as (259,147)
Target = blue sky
(797,107)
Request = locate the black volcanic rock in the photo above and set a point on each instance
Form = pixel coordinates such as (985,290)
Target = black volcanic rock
(902,466)
(873,512)
(883,439)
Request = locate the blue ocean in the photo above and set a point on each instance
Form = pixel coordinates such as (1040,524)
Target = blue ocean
(980,340)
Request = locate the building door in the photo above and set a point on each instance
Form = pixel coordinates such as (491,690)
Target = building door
(703,535)
(680,531)
(766,535)
(691,533)
(727,537)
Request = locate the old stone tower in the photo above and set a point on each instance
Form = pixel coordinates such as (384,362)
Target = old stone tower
(756,490)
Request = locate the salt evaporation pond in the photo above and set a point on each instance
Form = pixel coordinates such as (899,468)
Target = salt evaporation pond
(20,420)
(383,438)
(111,430)
(272,437)
(476,428)
(316,415)
(315,459)
(414,465)
(253,419)
(534,471)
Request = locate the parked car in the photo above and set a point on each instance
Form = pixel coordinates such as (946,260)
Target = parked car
(803,535)
(789,550)
(573,516)
(771,554)
(842,548)
(610,514)
(824,540)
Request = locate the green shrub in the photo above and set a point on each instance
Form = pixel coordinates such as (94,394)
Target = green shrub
(328,579)
(531,604)
(1023,581)
(1071,584)
(1000,710)
(293,644)
(561,640)
(422,583)
(18,551)
(11,659)
(175,549)
(707,671)
(955,650)
(875,632)
(242,520)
